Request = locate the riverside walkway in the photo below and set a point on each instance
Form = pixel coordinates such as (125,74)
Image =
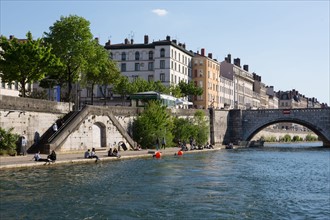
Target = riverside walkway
(8,162)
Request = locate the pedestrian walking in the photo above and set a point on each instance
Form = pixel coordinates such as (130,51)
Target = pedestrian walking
(164,143)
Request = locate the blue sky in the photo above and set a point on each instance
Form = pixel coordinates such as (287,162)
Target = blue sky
(285,42)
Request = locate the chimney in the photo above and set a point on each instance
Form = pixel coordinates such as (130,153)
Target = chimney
(246,67)
(168,38)
(126,41)
(146,39)
(11,37)
(210,55)
(203,52)
(174,41)
(108,43)
(132,41)
(97,39)
(229,58)
(237,62)
(184,46)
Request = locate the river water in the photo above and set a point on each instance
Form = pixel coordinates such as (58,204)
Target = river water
(267,183)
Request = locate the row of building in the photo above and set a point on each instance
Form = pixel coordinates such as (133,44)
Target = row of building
(226,84)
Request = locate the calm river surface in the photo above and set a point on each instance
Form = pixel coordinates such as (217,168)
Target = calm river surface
(268,183)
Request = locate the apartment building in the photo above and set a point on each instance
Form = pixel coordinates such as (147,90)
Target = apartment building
(164,60)
(9,89)
(206,75)
(242,82)
(272,98)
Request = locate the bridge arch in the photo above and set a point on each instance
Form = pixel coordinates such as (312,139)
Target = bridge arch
(303,123)
(317,120)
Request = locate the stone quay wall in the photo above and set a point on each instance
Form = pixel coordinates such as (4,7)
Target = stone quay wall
(30,117)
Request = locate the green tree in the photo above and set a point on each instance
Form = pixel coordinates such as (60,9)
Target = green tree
(72,42)
(196,128)
(175,91)
(154,122)
(201,127)
(123,87)
(25,61)
(100,70)
(295,138)
(310,137)
(287,138)
(189,89)
(8,142)
(183,129)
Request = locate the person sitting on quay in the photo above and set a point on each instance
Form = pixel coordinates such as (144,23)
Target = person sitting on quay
(87,154)
(113,153)
(93,154)
(138,147)
(38,158)
(52,156)
(116,153)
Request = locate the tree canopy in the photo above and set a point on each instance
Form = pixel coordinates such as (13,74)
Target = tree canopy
(100,70)
(190,89)
(72,42)
(25,61)
(155,122)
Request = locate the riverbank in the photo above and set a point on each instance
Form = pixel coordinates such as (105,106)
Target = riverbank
(27,161)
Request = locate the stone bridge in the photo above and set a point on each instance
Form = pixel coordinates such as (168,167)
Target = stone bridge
(244,124)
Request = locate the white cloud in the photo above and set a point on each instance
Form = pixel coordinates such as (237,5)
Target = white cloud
(160,12)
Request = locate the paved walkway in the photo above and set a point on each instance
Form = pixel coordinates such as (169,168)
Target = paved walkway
(66,158)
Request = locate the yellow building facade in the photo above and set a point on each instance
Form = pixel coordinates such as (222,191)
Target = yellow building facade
(206,75)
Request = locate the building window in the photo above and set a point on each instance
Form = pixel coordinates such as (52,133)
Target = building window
(151,66)
(16,85)
(137,55)
(3,85)
(110,55)
(150,78)
(135,77)
(123,56)
(137,66)
(9,85)
(162,52)
(162,77)
(123,67)
(162,64)
(151,55)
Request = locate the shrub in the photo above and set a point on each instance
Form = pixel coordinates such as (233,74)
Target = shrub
(287,138)
(296,138)
(8,142)
(310,137)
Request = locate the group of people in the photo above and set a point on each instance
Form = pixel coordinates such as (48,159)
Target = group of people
(50,158)
(113,153)
(163,143)
(193,145)
(91,154)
